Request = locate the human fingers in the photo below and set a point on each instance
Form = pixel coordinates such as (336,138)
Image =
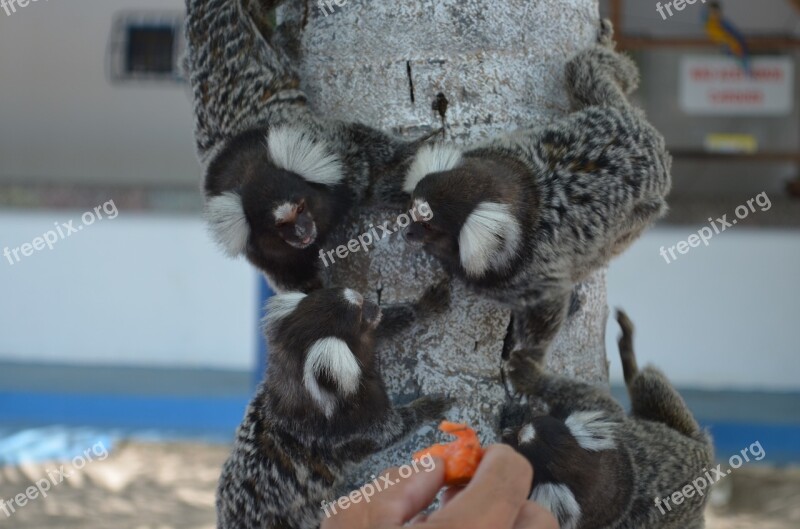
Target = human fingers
(494,496)
(449,494)
(395,497)
(534,516)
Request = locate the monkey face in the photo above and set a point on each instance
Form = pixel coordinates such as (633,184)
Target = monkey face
(424,232)
(284,216)
(295,224)
(272,196)
(280,206)
(434,229)
(473,229)
(421,228)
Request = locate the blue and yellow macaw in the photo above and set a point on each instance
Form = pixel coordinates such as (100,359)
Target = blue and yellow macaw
(721,31)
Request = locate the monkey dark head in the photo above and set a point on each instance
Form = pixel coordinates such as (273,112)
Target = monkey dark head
(281,209)
(569,457)
(269,195)
(322,355)
(473,226)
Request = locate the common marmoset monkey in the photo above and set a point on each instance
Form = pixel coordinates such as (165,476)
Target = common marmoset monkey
(595,466)
(322,406)
(524,217)
(278,178)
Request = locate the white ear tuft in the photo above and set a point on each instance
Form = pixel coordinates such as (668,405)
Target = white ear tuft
(333,357)
(431,159)
(488,239)
(293,149)
(526,434)
(593,430)
(281,305)
(559,500)
(353,297)
(226,221)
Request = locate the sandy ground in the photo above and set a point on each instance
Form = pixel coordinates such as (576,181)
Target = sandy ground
(171,486)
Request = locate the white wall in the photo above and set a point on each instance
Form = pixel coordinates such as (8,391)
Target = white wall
(135,290)
(726,315)
(55,98)
(148,290)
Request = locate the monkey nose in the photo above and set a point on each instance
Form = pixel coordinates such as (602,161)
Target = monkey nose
(410,235)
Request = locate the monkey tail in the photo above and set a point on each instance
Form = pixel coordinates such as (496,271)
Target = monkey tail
(626,352)
(653,398)
(599,76)
(237,75)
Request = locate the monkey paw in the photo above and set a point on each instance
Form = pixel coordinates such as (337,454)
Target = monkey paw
(432,407)
(436,299)
(605,35)
(512,415)
(522,372)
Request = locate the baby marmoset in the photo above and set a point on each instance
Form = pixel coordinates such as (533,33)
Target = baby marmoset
(596,467)
(278,178)
(322,406)
(525,217)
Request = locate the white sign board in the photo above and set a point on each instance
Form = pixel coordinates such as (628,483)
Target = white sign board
(720,86)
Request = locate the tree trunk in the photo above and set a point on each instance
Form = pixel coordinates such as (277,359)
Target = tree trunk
(500,66)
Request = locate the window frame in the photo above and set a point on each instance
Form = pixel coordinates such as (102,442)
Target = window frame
(119,45)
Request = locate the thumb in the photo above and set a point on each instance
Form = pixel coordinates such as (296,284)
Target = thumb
(408,495)
(534,516)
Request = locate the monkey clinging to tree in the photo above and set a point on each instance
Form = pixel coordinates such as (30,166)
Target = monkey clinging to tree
(278,178)
(523,218)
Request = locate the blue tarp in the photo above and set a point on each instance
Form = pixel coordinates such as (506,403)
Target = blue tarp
(52,443)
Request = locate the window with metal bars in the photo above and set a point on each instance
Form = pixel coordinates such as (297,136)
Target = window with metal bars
(146,47)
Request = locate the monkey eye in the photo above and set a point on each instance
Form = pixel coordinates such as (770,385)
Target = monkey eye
(426,225)
(280,223)
(301,207)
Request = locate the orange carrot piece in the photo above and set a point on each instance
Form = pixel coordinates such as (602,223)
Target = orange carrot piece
(461,457)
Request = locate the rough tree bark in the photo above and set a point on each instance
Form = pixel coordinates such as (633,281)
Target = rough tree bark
(500,66)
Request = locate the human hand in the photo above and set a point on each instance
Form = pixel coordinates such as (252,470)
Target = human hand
(495,498)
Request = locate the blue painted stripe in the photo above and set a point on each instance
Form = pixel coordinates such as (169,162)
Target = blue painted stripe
(780,442)
(219,415)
